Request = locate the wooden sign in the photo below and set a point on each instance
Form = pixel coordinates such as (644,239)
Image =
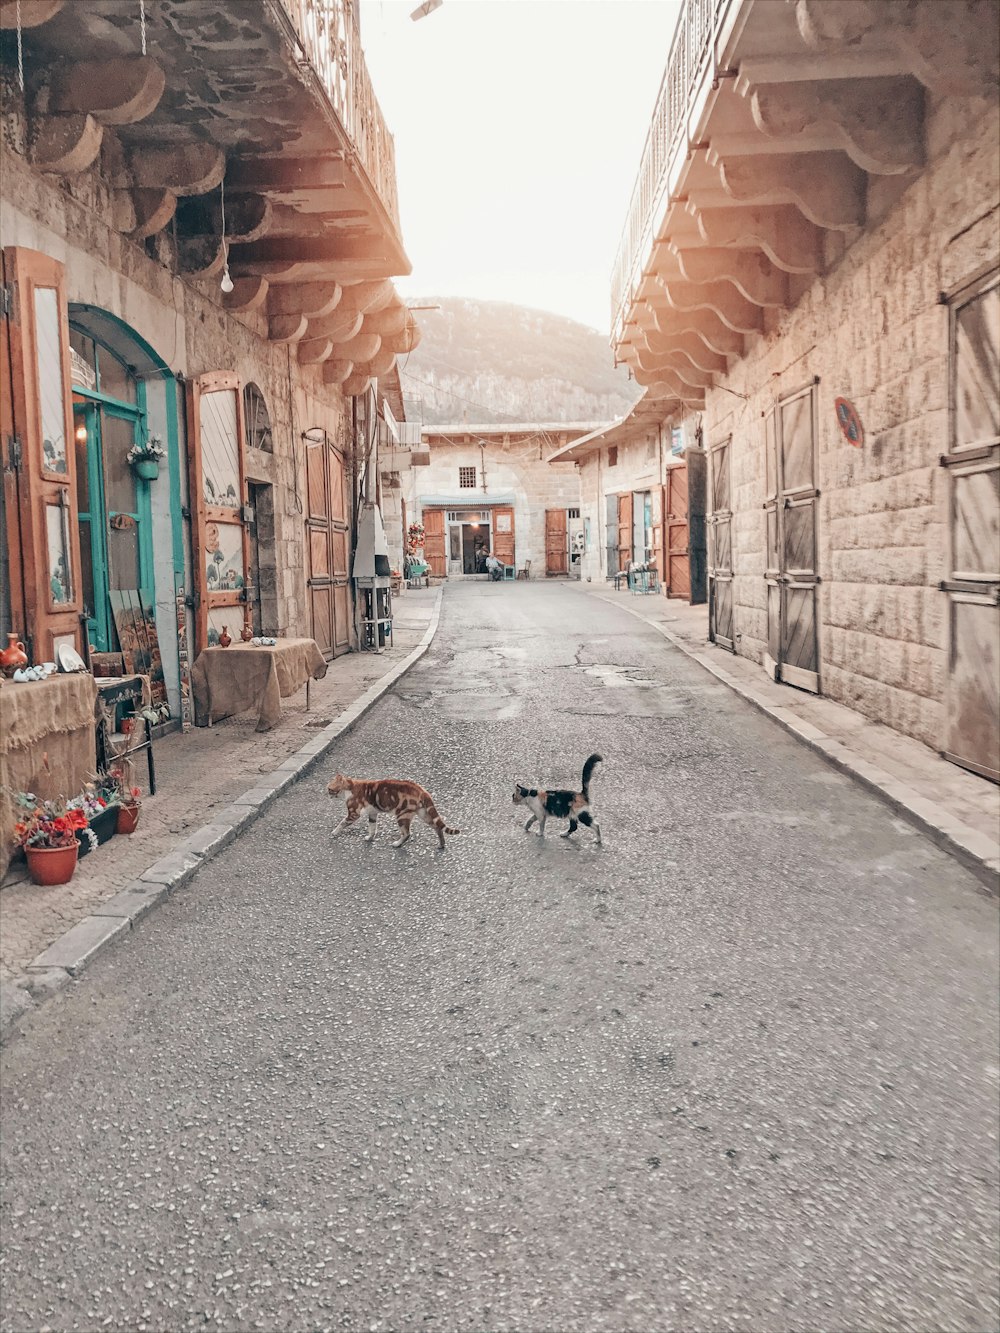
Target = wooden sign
(849,422)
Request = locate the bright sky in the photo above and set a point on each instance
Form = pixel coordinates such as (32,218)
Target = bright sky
(519,126)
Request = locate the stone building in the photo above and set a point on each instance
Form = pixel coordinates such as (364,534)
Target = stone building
(200,226)
(490,487)
(809,271)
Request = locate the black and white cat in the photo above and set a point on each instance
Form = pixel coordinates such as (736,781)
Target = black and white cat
(571,805)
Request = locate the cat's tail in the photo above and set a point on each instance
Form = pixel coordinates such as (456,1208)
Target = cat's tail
(438,824)
(588,772)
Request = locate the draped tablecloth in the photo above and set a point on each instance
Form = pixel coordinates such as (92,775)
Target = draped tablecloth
(225,681)
(51,719)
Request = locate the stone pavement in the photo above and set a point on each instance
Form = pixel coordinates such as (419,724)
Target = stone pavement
(199,775)
(959,811)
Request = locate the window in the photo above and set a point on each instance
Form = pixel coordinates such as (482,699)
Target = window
(467,478)
(257,420)
(574,513)
(612,455)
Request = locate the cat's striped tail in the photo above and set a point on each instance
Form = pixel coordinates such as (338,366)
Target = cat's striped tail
(438,824)
(588,772)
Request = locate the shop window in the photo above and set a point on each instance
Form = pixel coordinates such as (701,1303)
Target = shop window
(257,420)
(467,478)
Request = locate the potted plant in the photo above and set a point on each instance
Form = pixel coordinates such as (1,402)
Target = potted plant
(99,804)
(46,831)
(144,458)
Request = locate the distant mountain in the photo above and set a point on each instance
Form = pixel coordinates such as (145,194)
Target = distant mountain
(487,361)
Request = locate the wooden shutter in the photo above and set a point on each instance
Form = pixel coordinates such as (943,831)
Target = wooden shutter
(676,532)
(434,553)
(624,530)
(39,462)
(503,534)
(659,525)
(555,542)
(220,539)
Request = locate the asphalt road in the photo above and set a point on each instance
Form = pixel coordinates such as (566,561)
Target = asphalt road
(737,1069)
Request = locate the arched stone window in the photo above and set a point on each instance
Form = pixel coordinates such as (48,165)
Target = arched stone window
(257,419)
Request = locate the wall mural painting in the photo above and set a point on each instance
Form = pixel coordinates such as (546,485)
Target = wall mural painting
(60,582)
(224,557)
(135,622)
(50,382)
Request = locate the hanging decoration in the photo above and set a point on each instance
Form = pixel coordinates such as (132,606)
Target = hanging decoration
(142,24)
(20,49)
(227,283)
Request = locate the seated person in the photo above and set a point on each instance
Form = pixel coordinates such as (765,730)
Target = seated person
(494,567)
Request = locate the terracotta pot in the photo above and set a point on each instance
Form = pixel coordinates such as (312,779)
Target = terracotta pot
(246,633)
(13,656)
(128,817)
(225,639)
(52,865)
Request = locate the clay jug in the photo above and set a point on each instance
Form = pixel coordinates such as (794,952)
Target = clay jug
(224,638)
(246,633)
(13,656)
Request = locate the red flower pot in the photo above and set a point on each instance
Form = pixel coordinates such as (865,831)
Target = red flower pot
(128,817)
(52,865)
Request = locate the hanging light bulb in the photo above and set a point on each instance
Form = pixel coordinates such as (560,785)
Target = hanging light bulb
(227,283)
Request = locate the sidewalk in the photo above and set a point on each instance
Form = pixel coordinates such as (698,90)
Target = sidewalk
(958,810)
(202,779)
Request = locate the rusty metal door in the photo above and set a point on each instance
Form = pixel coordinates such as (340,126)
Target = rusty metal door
(720,548)
(790,575)
(676,528)
(972,712)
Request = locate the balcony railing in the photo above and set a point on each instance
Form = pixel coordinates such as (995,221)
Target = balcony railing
(331,42)
(690,54)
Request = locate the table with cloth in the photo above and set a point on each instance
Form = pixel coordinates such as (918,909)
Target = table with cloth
(49,719)
(225,681)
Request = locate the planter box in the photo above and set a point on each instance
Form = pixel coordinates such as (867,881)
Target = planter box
(103,826)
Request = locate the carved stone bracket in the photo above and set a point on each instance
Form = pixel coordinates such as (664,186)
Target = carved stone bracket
(247,294)
(184,169)
(788,239)
(312,350)
(341,326)
(66,144)
(336,370)
(312,299)
(722,298)
(750,272)
(287,328)
(116,92)
(153,210)
(827,187)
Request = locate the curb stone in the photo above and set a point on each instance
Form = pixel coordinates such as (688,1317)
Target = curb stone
(76,949)
(973,849)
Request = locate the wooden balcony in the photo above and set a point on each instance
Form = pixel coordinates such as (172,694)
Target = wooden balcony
(782,129)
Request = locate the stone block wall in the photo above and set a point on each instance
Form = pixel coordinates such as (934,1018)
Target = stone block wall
(872,329)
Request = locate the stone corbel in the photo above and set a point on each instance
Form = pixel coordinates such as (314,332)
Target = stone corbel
(788,239)
(30,13)
(355,384)
(336,370)
(200,256)
(405,342)
(310,351)
(247,294)
(368,297)
(722,298)
(877,122)
(382,362)
(115,92)
(684,346)
(315,300)
(387,322)
(247,217)
(663,379)
(362,347)
(827,187)
(750,272)
(183,169)
(340,327)
(679,367)
(287,328)
(703,324)
(66,144)
(153,210)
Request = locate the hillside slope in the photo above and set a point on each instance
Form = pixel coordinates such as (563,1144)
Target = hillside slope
(488,361)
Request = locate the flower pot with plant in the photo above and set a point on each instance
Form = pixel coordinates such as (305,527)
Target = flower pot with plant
(46,831)
(101,809)
(144,458)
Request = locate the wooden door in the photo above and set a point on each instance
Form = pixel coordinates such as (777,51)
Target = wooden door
(503,535)
(434,552)
(659,524)
(327,548)
(220,538)
(624,530)
(39,463)
(720,550)
(556,539)
(972,705)
(678,562)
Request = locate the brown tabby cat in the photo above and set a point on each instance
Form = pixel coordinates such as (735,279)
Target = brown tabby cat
(392,796)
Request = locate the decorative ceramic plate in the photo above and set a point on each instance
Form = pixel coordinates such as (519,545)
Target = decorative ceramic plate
(69,659)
